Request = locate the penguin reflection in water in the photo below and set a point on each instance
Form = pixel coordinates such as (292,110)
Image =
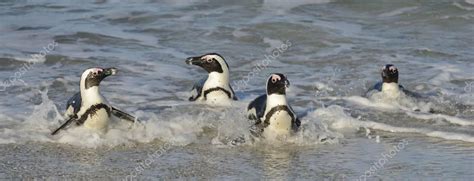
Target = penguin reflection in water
(273,115)
(215,89)
(88,107)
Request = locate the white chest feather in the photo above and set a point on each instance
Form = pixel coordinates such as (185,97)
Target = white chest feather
(218,98)
(391,89)
(280,121)
(280,124)
(92,96)
(100,119)
(275,100)
(217,80)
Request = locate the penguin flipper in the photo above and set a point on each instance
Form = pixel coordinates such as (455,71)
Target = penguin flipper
(123,115)
(233,93)
(197,89)
(296,122)
(73,107)
(257,129)
(377,87)
(69,121)
(256,108)
(256,111)
(75,103)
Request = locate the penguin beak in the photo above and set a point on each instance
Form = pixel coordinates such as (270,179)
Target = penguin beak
(109,72)
(287,83)
(194,61)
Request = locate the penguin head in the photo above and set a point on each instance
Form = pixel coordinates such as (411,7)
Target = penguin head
(211,62)
(277,84)
(389,73)
(93,76)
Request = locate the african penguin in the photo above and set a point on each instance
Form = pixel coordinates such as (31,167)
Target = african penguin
(215,88)
(389,85)
(271,111)
(88,107)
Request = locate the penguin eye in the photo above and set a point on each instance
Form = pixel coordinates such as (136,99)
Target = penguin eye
(274,80)
(209,60)
(96,73)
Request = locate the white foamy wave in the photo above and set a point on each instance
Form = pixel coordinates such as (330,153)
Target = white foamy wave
(398,11)
(463,7)
(337,119)
(179,125)
(380,102)
(313,132)
(175,132)
(34,128)
(46,117)
(284,5)
(411,107)
(445,74)
(368,103)
(450,119)
(36,59)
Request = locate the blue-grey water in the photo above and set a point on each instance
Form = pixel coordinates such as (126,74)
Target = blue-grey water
(331,50)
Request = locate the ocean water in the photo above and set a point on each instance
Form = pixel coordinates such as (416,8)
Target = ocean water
(331,51)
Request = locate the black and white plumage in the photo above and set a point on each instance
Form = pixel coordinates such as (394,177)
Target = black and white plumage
(271,111)
(88,107)
(389,84)
(215,88)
